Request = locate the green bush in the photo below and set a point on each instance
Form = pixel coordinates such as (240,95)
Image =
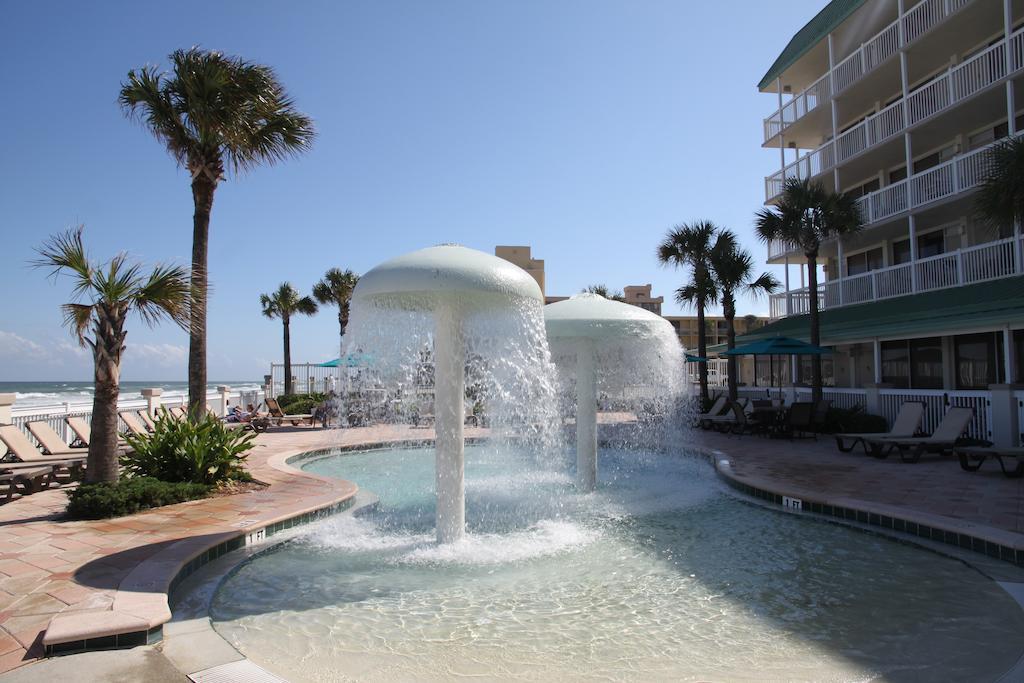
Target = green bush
(125,497)
(179,451)
(854,420)
(290,403)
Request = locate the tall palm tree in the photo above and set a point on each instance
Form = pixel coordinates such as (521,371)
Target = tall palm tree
(103,296)
(689,246)
(336,288)
(283,304)
(212,113)
(603,290)
(807,214)
(1000,199)
(733,269)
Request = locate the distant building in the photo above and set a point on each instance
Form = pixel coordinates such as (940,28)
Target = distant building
(686,328)
(640,295)
(521,257)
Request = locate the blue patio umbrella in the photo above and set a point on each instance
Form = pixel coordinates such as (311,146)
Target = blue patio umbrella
(776,346)
(695,359)
(351,360)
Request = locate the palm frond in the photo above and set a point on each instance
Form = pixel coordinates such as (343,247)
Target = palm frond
(66,251)
(166,293)
(77,318)
(1000,198)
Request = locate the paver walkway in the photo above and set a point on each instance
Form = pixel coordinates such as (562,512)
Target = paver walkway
(50,567)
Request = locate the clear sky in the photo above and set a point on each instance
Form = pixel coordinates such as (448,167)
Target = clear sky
(585,129)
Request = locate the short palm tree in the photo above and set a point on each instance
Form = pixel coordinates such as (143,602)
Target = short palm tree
(603,290)
(104,294)
(689,246)
(807,215)
(733,269)
(1000,199)
(283,304)
(212,113)
(336,288)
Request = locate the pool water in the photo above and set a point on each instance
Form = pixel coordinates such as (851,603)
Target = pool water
(662,574)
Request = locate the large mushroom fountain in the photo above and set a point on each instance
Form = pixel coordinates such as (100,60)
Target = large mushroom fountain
(610,338)
(451,283)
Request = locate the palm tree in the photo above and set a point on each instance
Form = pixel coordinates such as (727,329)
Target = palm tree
(603,290)
(336,288)
(103,296)
(689,246)
(212,113)
(283,304)
(1000,199)
(733,269)
(807,214)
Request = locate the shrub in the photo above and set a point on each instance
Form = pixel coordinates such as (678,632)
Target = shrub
(125,497)
(291,402)
(180,451)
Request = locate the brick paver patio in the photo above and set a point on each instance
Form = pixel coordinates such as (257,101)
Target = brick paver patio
(50,567)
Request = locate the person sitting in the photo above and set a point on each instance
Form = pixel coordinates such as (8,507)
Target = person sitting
(239,415)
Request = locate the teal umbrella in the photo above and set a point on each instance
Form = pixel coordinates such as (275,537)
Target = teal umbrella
(695,359)
(350,360)
(775,346)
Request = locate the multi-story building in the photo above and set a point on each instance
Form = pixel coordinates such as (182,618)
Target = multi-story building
(521,257)
(899,102)
(686,328)
(640,295)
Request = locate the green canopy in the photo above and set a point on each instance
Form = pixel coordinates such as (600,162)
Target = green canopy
(777,346)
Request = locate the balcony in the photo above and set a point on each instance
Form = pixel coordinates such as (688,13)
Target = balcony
(917,21)
(989,261)
(940,94)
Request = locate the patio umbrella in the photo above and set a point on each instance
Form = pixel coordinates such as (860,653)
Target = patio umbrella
(776,346)
(695,359)
(351,360)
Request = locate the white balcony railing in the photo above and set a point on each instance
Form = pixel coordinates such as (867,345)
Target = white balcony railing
(917,21)
(939,94)
(989,261)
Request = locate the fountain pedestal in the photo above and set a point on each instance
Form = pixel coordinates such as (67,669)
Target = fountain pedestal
(449,408)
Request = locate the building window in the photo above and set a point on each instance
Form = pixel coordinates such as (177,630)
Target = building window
(896,364)
(1018,349)
(929,244)
(897,175)
(864,262)
(926,363)
(866,188)
(978,360)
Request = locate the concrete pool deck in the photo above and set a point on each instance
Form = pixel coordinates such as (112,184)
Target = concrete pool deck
(68,581)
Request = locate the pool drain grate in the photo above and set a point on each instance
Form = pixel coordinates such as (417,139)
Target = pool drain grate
(243,671)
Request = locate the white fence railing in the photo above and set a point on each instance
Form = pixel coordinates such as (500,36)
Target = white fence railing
(878,49)
(936,402)
(980,263)
(942,92)
(307,377)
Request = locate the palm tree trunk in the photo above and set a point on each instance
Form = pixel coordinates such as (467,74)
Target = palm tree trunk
(341,322)
(812,306)
(702,351)
(729,311)
(101,461)
(202,196)
(287,356)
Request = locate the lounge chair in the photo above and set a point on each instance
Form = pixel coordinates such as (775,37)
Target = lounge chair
(31,479)
(135,426)
(972,457)
(716,409)
(737,421)
(278,416)
(943,439)
(50,440)
(147,420)
(18,444)
(177,412)
(80,428)
(907,423)
(800,420)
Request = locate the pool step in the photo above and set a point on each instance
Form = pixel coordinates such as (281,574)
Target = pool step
(244,671)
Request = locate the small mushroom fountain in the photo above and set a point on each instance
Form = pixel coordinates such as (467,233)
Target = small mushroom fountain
(452,283)
(623,343)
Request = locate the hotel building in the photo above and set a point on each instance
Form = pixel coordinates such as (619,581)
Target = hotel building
(899,102)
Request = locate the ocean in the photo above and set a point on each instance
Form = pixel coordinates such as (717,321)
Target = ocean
(78,393)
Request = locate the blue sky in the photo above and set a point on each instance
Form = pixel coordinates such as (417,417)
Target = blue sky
(584,129)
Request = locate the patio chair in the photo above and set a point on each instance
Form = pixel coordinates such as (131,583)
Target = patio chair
(800,420)
(31,479)
(278,416)
(720,404)
(147,420)
(19,445)
(907,423)
(972,457)
(820,415)
(50,440)
(739,422)
(177,412)
(943,439)
(132,422)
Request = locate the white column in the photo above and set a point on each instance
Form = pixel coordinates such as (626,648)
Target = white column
(782,142)
(152,397)
(1011,107)
(1009,360)
(222,407)
(789,297)
(268,386)
(840,267)
(912,231)
(449,408)
(586,416)
(877,348)
(6,403)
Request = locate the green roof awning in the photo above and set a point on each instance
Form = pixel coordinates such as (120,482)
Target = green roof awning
(816,30)
(941,312)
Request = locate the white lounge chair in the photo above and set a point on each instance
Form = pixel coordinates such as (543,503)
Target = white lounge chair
(50,440)
(716,409)
(907,423)
(972,457)
(23,449)
(135,426)
(943,439)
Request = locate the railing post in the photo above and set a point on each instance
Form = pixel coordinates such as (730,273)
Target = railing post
(268,386)
(224,392)
(152,397)
(1004,425)
(959,267)
(6,404)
